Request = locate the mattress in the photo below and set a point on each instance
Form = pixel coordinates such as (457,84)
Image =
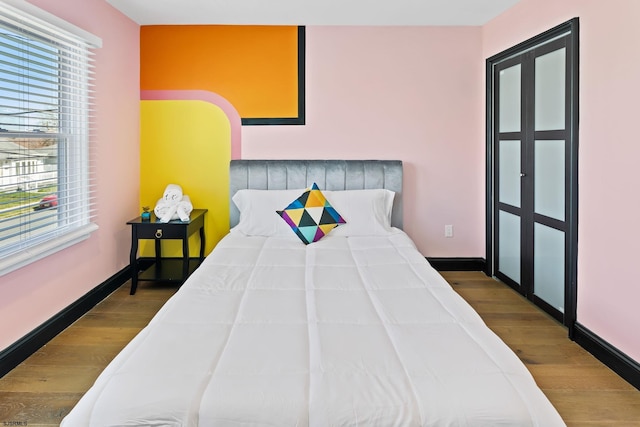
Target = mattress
(348,331)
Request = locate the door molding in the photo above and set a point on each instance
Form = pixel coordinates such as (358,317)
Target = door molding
(570,27)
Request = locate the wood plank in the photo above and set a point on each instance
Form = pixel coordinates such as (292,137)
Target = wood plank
(65,356)
(36,409)
(50,379)
(602,407)
(83,335)
(578,377)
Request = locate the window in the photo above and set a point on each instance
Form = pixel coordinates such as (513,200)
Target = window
(45,134)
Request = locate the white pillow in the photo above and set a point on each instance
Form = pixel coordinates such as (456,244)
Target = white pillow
(366,212)
(258,208)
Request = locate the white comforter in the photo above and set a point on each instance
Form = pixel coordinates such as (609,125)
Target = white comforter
(357,331)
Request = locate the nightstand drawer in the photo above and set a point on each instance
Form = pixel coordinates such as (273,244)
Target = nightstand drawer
(157,230)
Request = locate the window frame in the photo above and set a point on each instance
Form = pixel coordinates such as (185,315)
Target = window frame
(37,21)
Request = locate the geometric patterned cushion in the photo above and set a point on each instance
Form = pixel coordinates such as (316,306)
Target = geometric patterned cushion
(311,216)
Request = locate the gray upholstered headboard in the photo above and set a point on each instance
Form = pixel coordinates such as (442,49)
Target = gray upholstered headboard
(328,174)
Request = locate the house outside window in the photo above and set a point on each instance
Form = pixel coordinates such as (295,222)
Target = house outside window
(46,108)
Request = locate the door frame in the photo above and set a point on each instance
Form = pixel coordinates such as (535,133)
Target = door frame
(571,247)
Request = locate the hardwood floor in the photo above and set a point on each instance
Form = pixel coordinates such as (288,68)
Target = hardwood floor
(584,391)
(42,390)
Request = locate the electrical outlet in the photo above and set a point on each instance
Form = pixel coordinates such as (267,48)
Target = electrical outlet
(448,231)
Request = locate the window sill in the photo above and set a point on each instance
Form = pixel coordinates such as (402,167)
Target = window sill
(26,257)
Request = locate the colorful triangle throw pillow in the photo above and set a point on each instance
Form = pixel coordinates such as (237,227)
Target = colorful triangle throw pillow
(311,216)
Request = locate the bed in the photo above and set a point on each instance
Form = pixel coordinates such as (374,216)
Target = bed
(353,329)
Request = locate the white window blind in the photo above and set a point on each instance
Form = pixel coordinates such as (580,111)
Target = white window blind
(46,173)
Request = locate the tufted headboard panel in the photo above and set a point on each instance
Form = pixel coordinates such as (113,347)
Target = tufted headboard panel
(328,174)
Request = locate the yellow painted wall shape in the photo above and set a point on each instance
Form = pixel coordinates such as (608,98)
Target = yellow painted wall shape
(186,142)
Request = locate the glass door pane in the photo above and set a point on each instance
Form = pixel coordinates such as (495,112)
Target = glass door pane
(509,99)
(549,194)
(509,172)
(550,90)
(549,265)
(509,245)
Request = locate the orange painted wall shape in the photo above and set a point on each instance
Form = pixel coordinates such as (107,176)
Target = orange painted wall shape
(254,67)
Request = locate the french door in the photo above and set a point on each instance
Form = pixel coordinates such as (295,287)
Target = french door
(532,146)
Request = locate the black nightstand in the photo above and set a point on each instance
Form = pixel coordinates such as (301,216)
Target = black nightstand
(165,269)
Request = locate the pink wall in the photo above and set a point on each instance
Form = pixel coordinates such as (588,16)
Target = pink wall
(33,294)
(408,93)
(608,292)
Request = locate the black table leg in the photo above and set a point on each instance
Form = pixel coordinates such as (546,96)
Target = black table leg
(202,243)
(185,257)
(133,261)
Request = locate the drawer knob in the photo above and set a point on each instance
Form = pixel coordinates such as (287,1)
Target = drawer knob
(159,233)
